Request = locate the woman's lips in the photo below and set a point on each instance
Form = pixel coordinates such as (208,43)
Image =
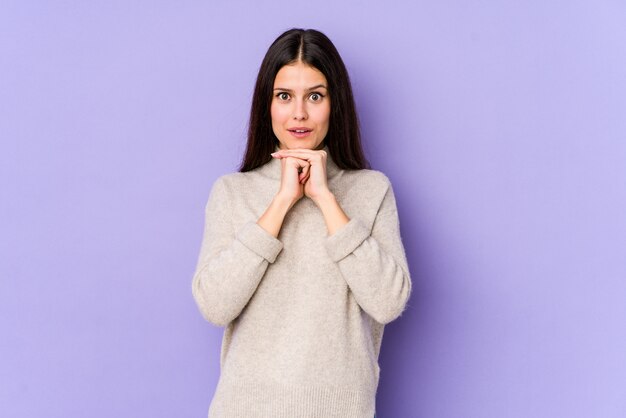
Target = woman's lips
(297,134)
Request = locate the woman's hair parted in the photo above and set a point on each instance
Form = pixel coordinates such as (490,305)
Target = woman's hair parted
(314,48)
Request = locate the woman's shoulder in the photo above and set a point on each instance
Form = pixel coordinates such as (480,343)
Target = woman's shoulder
(231,179)
(369,176)
(363,185)
(237,184)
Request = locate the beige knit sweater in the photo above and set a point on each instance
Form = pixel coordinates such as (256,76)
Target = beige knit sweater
(305,312)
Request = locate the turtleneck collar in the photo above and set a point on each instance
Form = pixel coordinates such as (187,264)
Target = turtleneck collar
(273,167)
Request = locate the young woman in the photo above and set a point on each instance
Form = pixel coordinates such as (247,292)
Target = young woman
(301,258)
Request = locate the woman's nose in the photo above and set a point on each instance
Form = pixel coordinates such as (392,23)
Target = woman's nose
(300,111)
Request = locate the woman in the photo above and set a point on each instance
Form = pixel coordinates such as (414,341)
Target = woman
(301,259)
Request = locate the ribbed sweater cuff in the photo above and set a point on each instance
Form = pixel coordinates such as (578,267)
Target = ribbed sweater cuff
(346,239)
(257,239)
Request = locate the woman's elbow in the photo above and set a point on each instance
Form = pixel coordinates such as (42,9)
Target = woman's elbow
(209,305)
(396,304)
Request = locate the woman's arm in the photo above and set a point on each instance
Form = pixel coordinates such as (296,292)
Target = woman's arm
(232,261)
(373,264)
(334,216)
(272,219)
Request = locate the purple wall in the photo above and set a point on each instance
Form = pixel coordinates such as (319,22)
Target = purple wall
(502,128)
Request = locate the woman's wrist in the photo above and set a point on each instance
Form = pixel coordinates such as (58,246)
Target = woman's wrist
(334,216)
(272,218)
(284,199)
(324,199)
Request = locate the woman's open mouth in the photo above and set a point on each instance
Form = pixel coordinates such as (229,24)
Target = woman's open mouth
(300,133)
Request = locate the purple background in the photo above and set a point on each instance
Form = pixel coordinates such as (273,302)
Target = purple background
(502,128)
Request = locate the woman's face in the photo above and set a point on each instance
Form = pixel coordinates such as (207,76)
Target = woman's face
(300,100)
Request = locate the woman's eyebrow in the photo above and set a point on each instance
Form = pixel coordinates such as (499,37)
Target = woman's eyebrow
(310,88)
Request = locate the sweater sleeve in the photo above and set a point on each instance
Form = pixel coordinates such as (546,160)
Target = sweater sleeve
(232,260)
(374,264)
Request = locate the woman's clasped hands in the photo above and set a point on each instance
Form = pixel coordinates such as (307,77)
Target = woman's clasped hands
(303,173)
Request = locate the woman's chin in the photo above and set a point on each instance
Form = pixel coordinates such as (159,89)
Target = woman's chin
(304,143)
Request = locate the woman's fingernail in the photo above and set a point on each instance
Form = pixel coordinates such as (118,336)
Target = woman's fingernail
(274,154)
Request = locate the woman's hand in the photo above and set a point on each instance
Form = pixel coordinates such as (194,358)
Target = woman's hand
(313,175)
(293,174)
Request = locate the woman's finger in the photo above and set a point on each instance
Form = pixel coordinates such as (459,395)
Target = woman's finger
(303,154)
(297,163)
(305,171)
(285,152)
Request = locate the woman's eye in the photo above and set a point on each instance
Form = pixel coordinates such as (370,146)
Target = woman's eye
(316,97)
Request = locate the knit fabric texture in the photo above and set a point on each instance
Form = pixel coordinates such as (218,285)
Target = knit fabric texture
(303,313)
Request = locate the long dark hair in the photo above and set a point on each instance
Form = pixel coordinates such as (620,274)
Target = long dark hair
(314,48)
